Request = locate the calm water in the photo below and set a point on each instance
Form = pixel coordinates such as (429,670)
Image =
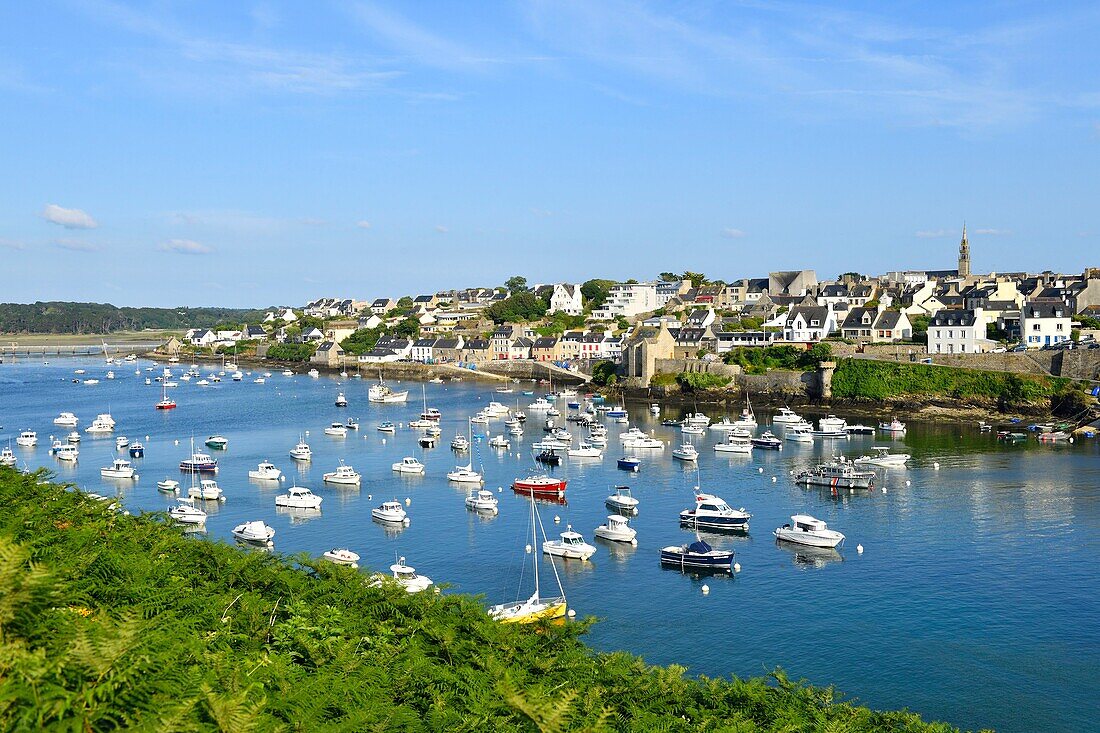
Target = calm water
(975,600)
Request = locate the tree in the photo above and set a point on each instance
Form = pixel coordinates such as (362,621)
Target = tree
(516,283)
(595,292)
(604,373)
(696,278)
(518,308)
(669,277)
(408,328)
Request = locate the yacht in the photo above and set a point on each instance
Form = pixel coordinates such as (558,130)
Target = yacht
(536,607)
(685,452)
(342,475)
(408,465)
(390,512)
(622,500)
(585,450)
(617,529)
(482,500)
(807,530)
(570,545)
(647,443)
(839,474)
(301,451)
(465,475)
(539,405)
(185,512)
(496,409)
(265,471)
(27,439)
(217,442)
(697,556)
(67,453)
(832,424)
(255,532)
(337,429)
(100,427)
(786,416)
(712,512)
(342,556)
(881,456)
(7,458)
(207,490)
(66,419)
(799,433)
(119,468)
(387,426)
(767,441)
(298,497)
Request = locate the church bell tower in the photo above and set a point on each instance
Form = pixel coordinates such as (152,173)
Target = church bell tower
(964,255)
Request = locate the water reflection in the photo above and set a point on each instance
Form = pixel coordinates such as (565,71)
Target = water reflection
(810,557)
(298,515)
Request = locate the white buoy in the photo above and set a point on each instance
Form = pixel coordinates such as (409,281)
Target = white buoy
(737,567)
(557,519)
(705,589)
(408,501)
(368,497)
(572,613)
(884,489)
(499,490)
(936,465)
(859,549)
(760,470)
(176,442)
(774,479)
(146,438)
(527,549)
(908,482)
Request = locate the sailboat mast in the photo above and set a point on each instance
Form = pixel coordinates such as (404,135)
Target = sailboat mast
(534,545)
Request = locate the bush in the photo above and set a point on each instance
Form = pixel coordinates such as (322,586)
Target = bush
(700,381)
(604,373)
(291,352)
(518,308)
(756,360)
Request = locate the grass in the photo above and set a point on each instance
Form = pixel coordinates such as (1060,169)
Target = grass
(111,622)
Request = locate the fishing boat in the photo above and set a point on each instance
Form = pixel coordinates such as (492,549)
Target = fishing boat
(622,500)
(341,400)
(712,512)
(460,444)
(540,486)
(786,416)
(55,446)
(838,474)
(549,456)
(767,441)
(27,439)
(499,441)
(1053,436)
(685,452)
(894,426)
(207,490)
(337,429)
(73,437)
(809,531)
(265,471)
(881,456)
(381,393)
(100,427)
(539,405)
(386,427)
(66,419)
(119,468)
(67,453)
(7,458)
(535,608)
(654,409)
(628,463)
(217,442)
(301,451)
(570,545)
(255,532)
(646,443)
(342,556)
(121,442)
(736,442)
(408,464)
(693,429)
(799,433)
(343,474)
(137,450)
(298,497)
(617,529)
(697,556)
(482,500)
(390,512)
(198,462)
(185,512)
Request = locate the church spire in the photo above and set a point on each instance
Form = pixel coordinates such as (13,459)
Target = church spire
(964,255)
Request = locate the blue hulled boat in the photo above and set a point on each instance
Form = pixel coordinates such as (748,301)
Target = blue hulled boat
(629,463)
(137,450)
(698,555)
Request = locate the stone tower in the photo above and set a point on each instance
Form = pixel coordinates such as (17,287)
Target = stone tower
(964,255)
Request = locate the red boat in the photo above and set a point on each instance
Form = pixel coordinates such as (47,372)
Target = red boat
(166,405)
(540,486)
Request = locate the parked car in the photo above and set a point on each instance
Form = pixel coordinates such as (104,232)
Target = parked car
(1018,348)
(999,350)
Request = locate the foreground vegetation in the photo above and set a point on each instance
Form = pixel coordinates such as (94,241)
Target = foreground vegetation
(112,622)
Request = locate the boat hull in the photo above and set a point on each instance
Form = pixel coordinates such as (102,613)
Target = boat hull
(714,561)
(688,519)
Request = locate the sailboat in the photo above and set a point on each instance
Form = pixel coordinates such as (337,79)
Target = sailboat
(466,474)
(165,403)
(424,421)
(534,608)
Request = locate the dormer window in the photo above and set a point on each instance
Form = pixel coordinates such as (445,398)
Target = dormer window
(814,323)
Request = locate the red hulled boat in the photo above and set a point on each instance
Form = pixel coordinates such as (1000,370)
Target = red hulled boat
(540,486)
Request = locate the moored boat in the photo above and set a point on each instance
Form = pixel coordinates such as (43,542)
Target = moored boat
(540,485)
(838,474)
(712,512)
(255,532)
(697,556)
(810,531)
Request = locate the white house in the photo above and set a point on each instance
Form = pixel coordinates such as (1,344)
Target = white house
(422,350)
(286,316)
(201,337)
(1043,323)
(958,331)
(809,323)
(628,299)
(313,334)
(566,299)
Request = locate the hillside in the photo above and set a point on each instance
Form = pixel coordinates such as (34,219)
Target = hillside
(84,318)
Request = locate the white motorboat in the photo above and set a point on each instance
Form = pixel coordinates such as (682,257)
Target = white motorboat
(585,450)
(482,500)
(685,452)
(786,416)
(99,427)
(646,443)
(121,442)
(767,441)
(724,425)
(185,512)
(106,419)
(407,577)
(337,429)
(540,405)
(91,381)
(298,497)
(7,458)
(386,426)
(799,433)
(341,400)
(265,471)
(313,373)
(894,426)
(383,394)
(55,446)
(633,433)
(27,439)
(390,512)
(460,444)
(465,475)
(809,531)
(838,474)
(119,468)
(617,529)
(110,375)
(73,437)
(570,545)
(712,512)
(169,485)
(288,373)
(499,441)
(259,380)
(342,475)
(622,500)
(697,419)
(301,452)
(342,556)
(687,429)
(255,532)
(832,424)
(67,419)
(597,439)
(217,442)
(67,453)
(655,409)
(207,490)
(408,464)
(515,430)
(481,418)
(238,376)
(881,456)
(496,409)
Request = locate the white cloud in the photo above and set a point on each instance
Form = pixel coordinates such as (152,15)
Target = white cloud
(11,244)
(76,245)
(931,233)
(541,213)
(363,224)
(441,229)
(733,233)
(68,218)
(993,232)
(185,247)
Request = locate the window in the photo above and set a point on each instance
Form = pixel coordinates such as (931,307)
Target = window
(814,323)
(1036,327)
(1058,327)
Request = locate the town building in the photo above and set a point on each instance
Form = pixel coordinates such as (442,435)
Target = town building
(958,331)
(567,299)
(1044,323)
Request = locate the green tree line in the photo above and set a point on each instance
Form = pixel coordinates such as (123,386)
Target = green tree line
(86,318)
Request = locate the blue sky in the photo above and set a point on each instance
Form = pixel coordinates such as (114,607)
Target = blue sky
(167,153)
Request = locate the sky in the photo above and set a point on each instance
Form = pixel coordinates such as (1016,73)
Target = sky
(244,154)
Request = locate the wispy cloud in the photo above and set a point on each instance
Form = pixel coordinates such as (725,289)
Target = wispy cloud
(541,213)
(441,229)
(733,233)
(76,245)
(185,247)
(931,233)
(363,224)
(68,218)
(994,232)
(6,243)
